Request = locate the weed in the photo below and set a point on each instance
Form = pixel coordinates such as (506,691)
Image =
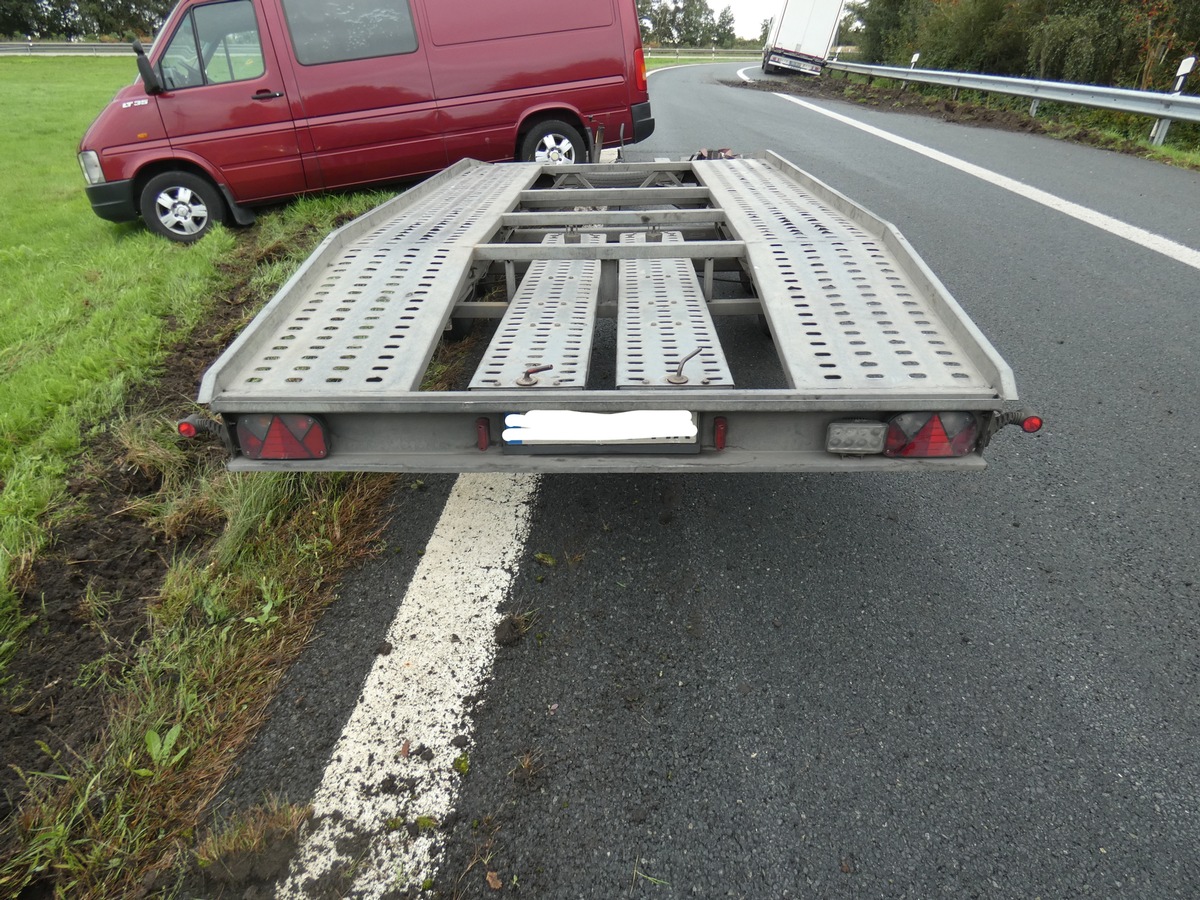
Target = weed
(252,831)
(159,748)
(462,763)
(95,603)
(528,765)
(524,621)
(638,873)
(272,596)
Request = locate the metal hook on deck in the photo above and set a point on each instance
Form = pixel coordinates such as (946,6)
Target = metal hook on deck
(527,379)
(679,377)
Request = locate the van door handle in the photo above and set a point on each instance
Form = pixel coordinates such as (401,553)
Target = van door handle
(267,95)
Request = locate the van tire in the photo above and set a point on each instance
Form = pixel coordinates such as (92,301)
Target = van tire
(553,141)
(181,206)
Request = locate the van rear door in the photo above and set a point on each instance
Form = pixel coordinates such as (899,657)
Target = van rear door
(365,90)
(224,100)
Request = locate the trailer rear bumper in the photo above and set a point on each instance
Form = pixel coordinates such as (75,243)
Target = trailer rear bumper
(803,64)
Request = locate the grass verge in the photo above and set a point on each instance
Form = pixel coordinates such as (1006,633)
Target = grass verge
(119,817)
(189,588)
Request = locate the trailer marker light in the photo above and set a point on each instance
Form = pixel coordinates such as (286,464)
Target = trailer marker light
(291,436)
(720,432)
(1032,424)
(931,435)
(186,429)
(483,428)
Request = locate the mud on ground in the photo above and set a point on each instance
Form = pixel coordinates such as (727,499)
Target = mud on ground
(89,588)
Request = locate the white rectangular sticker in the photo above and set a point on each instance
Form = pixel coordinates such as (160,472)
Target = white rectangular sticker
(641,426)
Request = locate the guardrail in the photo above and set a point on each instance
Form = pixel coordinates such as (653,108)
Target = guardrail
(49,48)
(1163,107)
(693,52)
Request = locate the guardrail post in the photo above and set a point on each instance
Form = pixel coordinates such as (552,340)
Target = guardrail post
(1033,108)
(1162,126)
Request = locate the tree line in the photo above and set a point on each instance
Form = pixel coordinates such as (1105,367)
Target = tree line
(685,23)
(69,19)
(669,23)
(1127,43)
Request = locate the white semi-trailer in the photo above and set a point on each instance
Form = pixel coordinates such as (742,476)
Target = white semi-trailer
(801,36)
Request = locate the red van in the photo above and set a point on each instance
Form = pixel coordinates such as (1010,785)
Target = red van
(242,102)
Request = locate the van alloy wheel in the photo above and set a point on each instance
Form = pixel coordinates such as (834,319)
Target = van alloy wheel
(181,210)
(553,142)
(181,206)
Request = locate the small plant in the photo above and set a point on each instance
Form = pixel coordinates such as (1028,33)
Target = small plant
(272,594)
(528,765)
(252,831)
(160,748)
(525,621)
(638,873)
(462,763)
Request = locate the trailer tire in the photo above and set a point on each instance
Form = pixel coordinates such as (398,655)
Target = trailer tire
(553,141)
(181,206)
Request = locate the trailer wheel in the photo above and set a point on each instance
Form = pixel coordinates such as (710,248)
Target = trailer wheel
(181,206)
(553,141)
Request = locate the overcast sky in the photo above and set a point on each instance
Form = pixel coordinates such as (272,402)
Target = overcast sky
(748,15)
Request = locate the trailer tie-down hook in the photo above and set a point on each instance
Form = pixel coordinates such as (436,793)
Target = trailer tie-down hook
(528,380)
(679,377)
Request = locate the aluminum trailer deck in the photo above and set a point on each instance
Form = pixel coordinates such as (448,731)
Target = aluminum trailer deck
(613,298)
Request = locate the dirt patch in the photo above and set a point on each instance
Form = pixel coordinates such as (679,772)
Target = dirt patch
(89,589)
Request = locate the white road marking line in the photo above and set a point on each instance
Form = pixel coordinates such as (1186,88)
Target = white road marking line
(394,763)
(1140,236)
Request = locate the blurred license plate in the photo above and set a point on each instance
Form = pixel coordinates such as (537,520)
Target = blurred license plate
(569,428)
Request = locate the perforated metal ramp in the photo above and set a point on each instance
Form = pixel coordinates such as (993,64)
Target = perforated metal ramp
(367,322)
(549,323)
(662,319)
(847,312)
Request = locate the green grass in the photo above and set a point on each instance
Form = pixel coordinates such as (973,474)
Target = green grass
(87,311)
(659,62)
(86,307)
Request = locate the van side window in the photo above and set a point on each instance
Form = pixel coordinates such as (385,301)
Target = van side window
(324,32)
(214,44)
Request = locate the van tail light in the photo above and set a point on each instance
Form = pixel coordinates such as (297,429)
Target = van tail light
(931,435)
(291,436)
(639,69)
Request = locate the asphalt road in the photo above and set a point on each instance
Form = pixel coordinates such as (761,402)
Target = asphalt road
(830,686)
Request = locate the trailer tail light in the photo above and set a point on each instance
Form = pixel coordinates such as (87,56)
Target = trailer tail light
(639,69)
(291,436)
(931,435)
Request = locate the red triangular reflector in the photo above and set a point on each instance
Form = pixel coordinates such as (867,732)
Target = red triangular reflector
(931,440)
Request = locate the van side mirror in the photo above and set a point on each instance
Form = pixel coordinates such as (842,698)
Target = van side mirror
(149,76)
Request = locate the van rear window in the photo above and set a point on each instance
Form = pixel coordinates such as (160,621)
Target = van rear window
(324,31)
(455,22)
